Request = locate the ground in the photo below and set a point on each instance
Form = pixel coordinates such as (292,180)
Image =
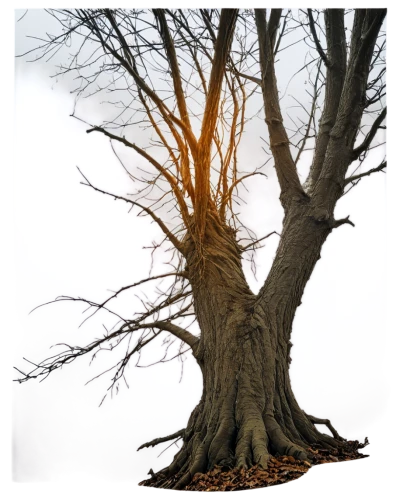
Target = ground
(281,469)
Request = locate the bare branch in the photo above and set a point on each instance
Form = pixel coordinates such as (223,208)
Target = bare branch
(337,223)
(356,177)
(284,164)
(171,54)
(316,40)
(168,176)
(335,77)
(339,154)
(243,249)
(370,136)
(202,165)
(129,287)
(157,441)
(173,239)
(179,332)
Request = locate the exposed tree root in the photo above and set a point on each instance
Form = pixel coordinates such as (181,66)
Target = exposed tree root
(280,469)
(250,442)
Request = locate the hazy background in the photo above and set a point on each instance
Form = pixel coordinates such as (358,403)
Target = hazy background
(72,241)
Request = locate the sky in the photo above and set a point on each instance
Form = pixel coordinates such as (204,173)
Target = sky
(69,240)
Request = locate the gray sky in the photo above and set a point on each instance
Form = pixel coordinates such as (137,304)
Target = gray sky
(69,240)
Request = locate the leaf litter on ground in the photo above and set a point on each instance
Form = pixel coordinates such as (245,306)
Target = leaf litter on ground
(281,469)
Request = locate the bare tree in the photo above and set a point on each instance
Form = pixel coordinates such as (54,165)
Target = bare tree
(186,76)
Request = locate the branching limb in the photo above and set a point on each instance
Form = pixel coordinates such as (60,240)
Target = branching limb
(370,136)
(173,239)
(337,223)
(174,66)
(335,77)
(243,249)
(179,332)
(202,165)
(311,115)
(320,50)
(129,287)
(286,169)
(43,369)
(329,186)
(249,77)
(354,178)
(168,176)
(157,441)
(228,196)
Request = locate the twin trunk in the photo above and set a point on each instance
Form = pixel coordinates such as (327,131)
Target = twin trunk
(247,410)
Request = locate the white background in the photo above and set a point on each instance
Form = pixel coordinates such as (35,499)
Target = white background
(71,240)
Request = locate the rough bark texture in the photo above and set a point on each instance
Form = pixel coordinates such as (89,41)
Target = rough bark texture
(247,411)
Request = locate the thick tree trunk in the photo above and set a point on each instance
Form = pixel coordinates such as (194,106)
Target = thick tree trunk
(247,411)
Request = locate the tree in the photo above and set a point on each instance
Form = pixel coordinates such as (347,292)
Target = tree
(247,411)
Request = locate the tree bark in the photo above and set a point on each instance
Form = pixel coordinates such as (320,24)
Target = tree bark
(247,411)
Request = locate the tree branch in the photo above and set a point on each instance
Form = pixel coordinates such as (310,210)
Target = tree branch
(243,249)
(285,168)
(311,115)
(329,186)
(128,62)
(173,61)
(176,78)
(249,77)
(353,178)
(168,176)
(157,441)
(370,136)
(335,77)
(203,164)
(337,223)
(315,38)
(173,239)
(182,334)
(128,287)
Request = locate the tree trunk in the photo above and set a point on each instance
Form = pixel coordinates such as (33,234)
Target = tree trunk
(247,411)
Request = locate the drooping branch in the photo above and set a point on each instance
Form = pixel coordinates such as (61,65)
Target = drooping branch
(280,147)
(47,366)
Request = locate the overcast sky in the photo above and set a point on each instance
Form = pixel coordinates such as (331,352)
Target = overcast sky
(72,241)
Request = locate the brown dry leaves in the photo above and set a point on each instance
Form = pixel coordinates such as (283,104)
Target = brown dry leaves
(280,470)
